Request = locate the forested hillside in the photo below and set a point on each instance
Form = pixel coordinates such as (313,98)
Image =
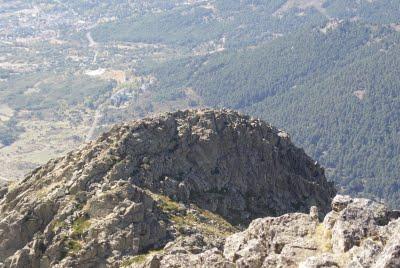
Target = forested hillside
(334,86)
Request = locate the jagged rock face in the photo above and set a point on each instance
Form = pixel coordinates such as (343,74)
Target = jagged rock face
(362,233)
(117,196)
(238,167)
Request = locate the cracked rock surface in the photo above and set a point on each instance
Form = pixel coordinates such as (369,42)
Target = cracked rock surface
(172,190)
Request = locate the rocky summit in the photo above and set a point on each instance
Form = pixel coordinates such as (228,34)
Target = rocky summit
(178,189)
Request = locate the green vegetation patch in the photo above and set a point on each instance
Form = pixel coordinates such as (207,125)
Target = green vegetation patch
(79,226)
(155,28)
(73,246)
(134,260)
(70,246)
(166,204)
(10,132)
(203,220)
(206,222)
(57,224)
(139,259)
(54,91)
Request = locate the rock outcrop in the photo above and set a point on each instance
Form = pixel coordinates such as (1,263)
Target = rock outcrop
(180,183)
(357,233)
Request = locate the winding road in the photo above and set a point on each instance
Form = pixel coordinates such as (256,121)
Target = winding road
(99,113)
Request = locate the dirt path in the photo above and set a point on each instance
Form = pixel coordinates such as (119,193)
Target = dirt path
(99,113)
(95,57)
(89,37)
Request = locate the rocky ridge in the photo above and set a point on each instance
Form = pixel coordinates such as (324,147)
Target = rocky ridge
(177,184)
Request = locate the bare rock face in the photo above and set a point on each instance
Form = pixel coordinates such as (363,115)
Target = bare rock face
(180,182)
(359,235)
(362,234)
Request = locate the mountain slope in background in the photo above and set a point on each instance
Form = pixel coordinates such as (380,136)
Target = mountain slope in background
(334,86)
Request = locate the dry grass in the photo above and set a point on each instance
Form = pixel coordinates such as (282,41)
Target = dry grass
(323,238)
(41,141)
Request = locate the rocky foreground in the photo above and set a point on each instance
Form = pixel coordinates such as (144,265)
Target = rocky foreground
(356,233)
(176,190)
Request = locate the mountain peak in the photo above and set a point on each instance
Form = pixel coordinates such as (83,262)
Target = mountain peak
(133,188)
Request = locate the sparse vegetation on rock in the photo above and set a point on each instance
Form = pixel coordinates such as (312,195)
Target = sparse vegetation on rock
(176,182)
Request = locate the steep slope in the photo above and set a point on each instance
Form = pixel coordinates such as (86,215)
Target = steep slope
(152,181)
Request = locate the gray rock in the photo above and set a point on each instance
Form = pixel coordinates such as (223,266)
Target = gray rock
(324,260)
(340,202)
(361,234)
(359,220)
(187,177)
(3,191)
(314,213)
